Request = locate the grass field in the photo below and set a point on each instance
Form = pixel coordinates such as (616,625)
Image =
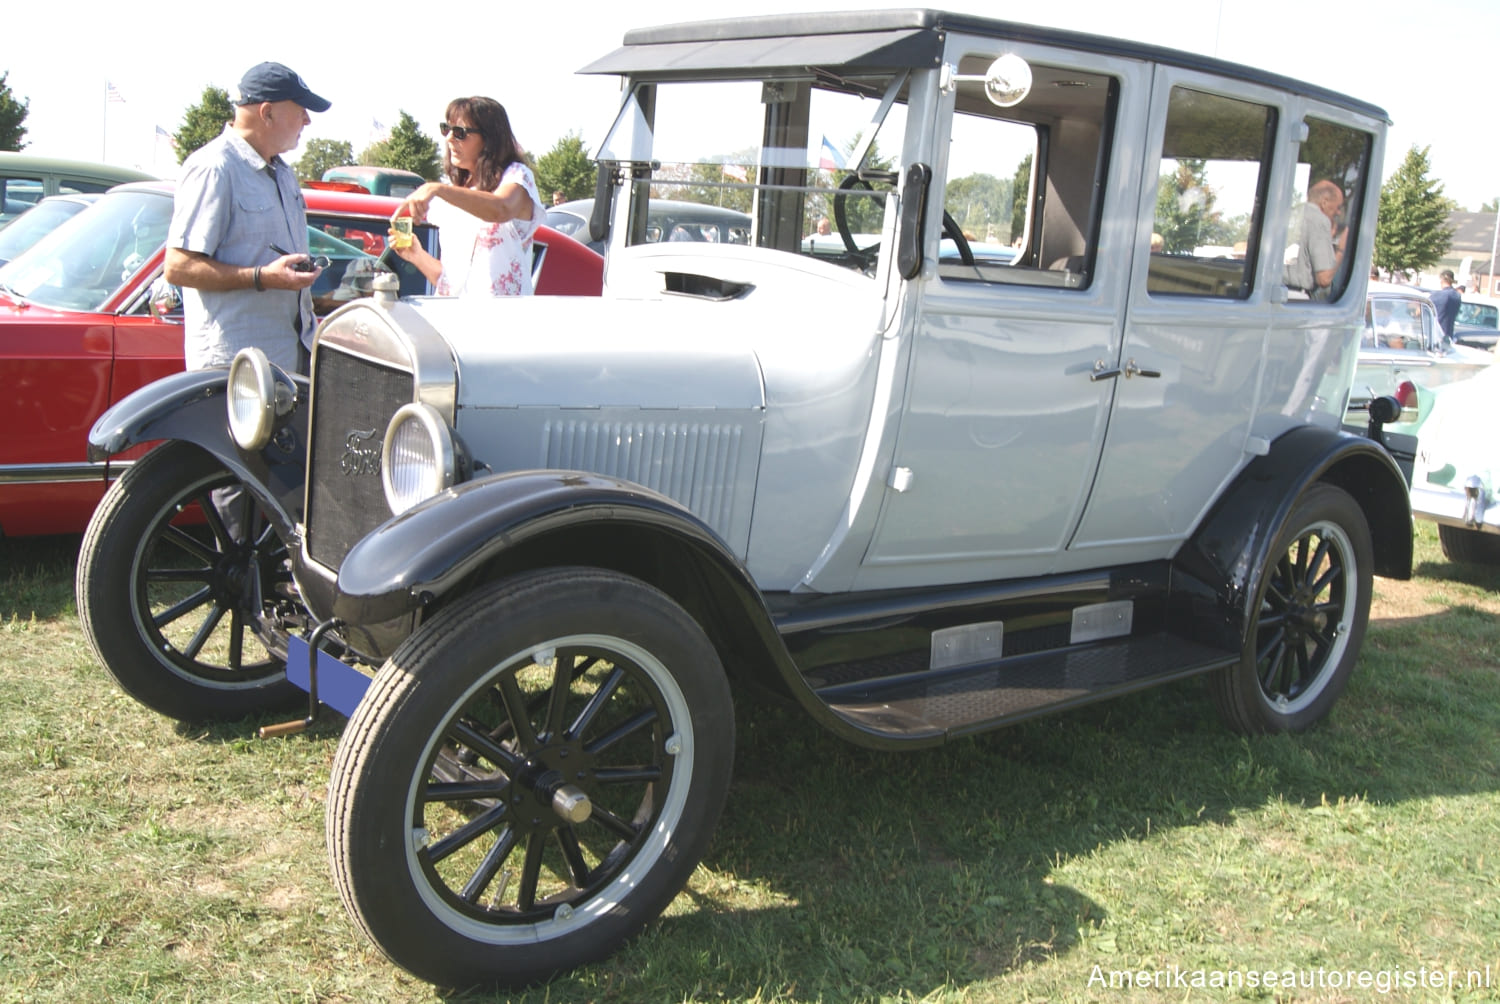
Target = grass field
(141,860)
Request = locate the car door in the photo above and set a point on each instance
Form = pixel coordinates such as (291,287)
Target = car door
(1003,420)
(1191,359)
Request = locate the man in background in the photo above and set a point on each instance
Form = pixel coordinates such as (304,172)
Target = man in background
(1446,302)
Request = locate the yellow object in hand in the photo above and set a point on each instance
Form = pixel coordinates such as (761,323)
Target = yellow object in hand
(402,226)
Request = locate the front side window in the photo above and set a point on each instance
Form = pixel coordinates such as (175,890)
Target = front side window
(804,166)
(1210,191)
(1332,168)
(1024,190)
(1400,323)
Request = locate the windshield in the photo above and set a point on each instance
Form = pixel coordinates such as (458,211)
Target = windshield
(34,224)
(81,264)
(798,165)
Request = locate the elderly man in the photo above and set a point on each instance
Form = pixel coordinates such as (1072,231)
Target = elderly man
(1311,258)
(238,241)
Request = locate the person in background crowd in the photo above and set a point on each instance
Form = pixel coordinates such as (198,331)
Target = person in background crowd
(1446,302)
(237,203)
(486,209)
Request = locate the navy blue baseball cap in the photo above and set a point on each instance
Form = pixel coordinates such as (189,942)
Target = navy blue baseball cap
(274,82)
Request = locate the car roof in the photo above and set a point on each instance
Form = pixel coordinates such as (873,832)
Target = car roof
(701,212)
(1396,289)
(12,161)
(318,199)
(885,40)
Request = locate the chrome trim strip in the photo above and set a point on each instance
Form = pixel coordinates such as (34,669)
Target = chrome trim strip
(42,474)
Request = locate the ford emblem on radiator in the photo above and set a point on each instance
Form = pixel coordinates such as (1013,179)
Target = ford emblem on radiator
(360,457)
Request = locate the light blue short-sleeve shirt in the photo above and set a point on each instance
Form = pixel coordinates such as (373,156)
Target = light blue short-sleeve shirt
(232,205)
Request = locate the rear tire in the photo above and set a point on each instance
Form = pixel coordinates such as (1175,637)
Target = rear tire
(447,843)
(1307,620)
(1471,546)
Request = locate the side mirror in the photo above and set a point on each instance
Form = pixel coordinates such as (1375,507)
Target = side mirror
(166,300)
(1006,82)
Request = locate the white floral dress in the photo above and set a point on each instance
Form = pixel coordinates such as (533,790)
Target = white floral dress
(487,259)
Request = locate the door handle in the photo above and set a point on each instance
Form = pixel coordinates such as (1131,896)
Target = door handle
(1101,372)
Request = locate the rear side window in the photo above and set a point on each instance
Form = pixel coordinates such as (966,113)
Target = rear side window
(18,194)
(78,186)
(1210,193)
(1333,163)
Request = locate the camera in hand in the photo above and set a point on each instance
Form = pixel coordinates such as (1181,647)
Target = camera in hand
(305,265)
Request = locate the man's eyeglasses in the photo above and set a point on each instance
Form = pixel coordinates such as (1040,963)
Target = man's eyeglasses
(460,133)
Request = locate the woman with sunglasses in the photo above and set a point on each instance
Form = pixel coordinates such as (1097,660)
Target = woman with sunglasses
(486,209)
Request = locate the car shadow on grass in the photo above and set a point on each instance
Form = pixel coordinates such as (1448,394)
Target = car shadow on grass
(36,577)
(838,873)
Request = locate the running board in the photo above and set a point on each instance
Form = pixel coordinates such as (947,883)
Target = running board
(960,701)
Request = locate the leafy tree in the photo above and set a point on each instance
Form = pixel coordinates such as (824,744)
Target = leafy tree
(320,155)
(981,205)
(1186,211)
(1491,206)
(12,114)
(1020,191)
(408,149)
(1412,232)
(565,168)
(204,121)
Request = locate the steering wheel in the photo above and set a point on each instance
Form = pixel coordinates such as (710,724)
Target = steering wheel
(954,231)
(868,255)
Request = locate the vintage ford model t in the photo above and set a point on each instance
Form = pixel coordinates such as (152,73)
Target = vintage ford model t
(1039,417)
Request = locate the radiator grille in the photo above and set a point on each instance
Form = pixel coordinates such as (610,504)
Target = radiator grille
(695,463)
(353,401)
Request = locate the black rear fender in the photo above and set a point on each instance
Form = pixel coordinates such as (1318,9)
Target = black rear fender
(1218,571)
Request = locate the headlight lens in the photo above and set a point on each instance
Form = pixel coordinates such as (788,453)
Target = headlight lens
(259,393)
(418,460)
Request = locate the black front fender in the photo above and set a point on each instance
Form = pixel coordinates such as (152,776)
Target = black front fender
(418,557)
(190,407)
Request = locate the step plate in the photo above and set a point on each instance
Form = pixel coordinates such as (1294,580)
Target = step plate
(982,697)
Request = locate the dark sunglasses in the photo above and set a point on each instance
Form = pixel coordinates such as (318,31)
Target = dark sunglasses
(460,133)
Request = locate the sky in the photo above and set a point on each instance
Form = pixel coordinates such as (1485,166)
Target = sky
(1425,64)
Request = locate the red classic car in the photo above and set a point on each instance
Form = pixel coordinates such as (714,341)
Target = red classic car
(78,332)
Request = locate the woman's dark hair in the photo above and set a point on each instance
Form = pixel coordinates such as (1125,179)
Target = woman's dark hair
(500,147)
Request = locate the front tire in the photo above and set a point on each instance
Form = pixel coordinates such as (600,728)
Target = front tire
(178,606)
(454,823)
(1307,619)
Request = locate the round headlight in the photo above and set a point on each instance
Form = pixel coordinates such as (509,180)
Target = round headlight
(419,459)
(259,393)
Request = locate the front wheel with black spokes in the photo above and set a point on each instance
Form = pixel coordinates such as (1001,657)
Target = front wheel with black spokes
(1307,620)
(531,779)
(181,586)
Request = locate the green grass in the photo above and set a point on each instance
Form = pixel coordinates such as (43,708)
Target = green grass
(145,861)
